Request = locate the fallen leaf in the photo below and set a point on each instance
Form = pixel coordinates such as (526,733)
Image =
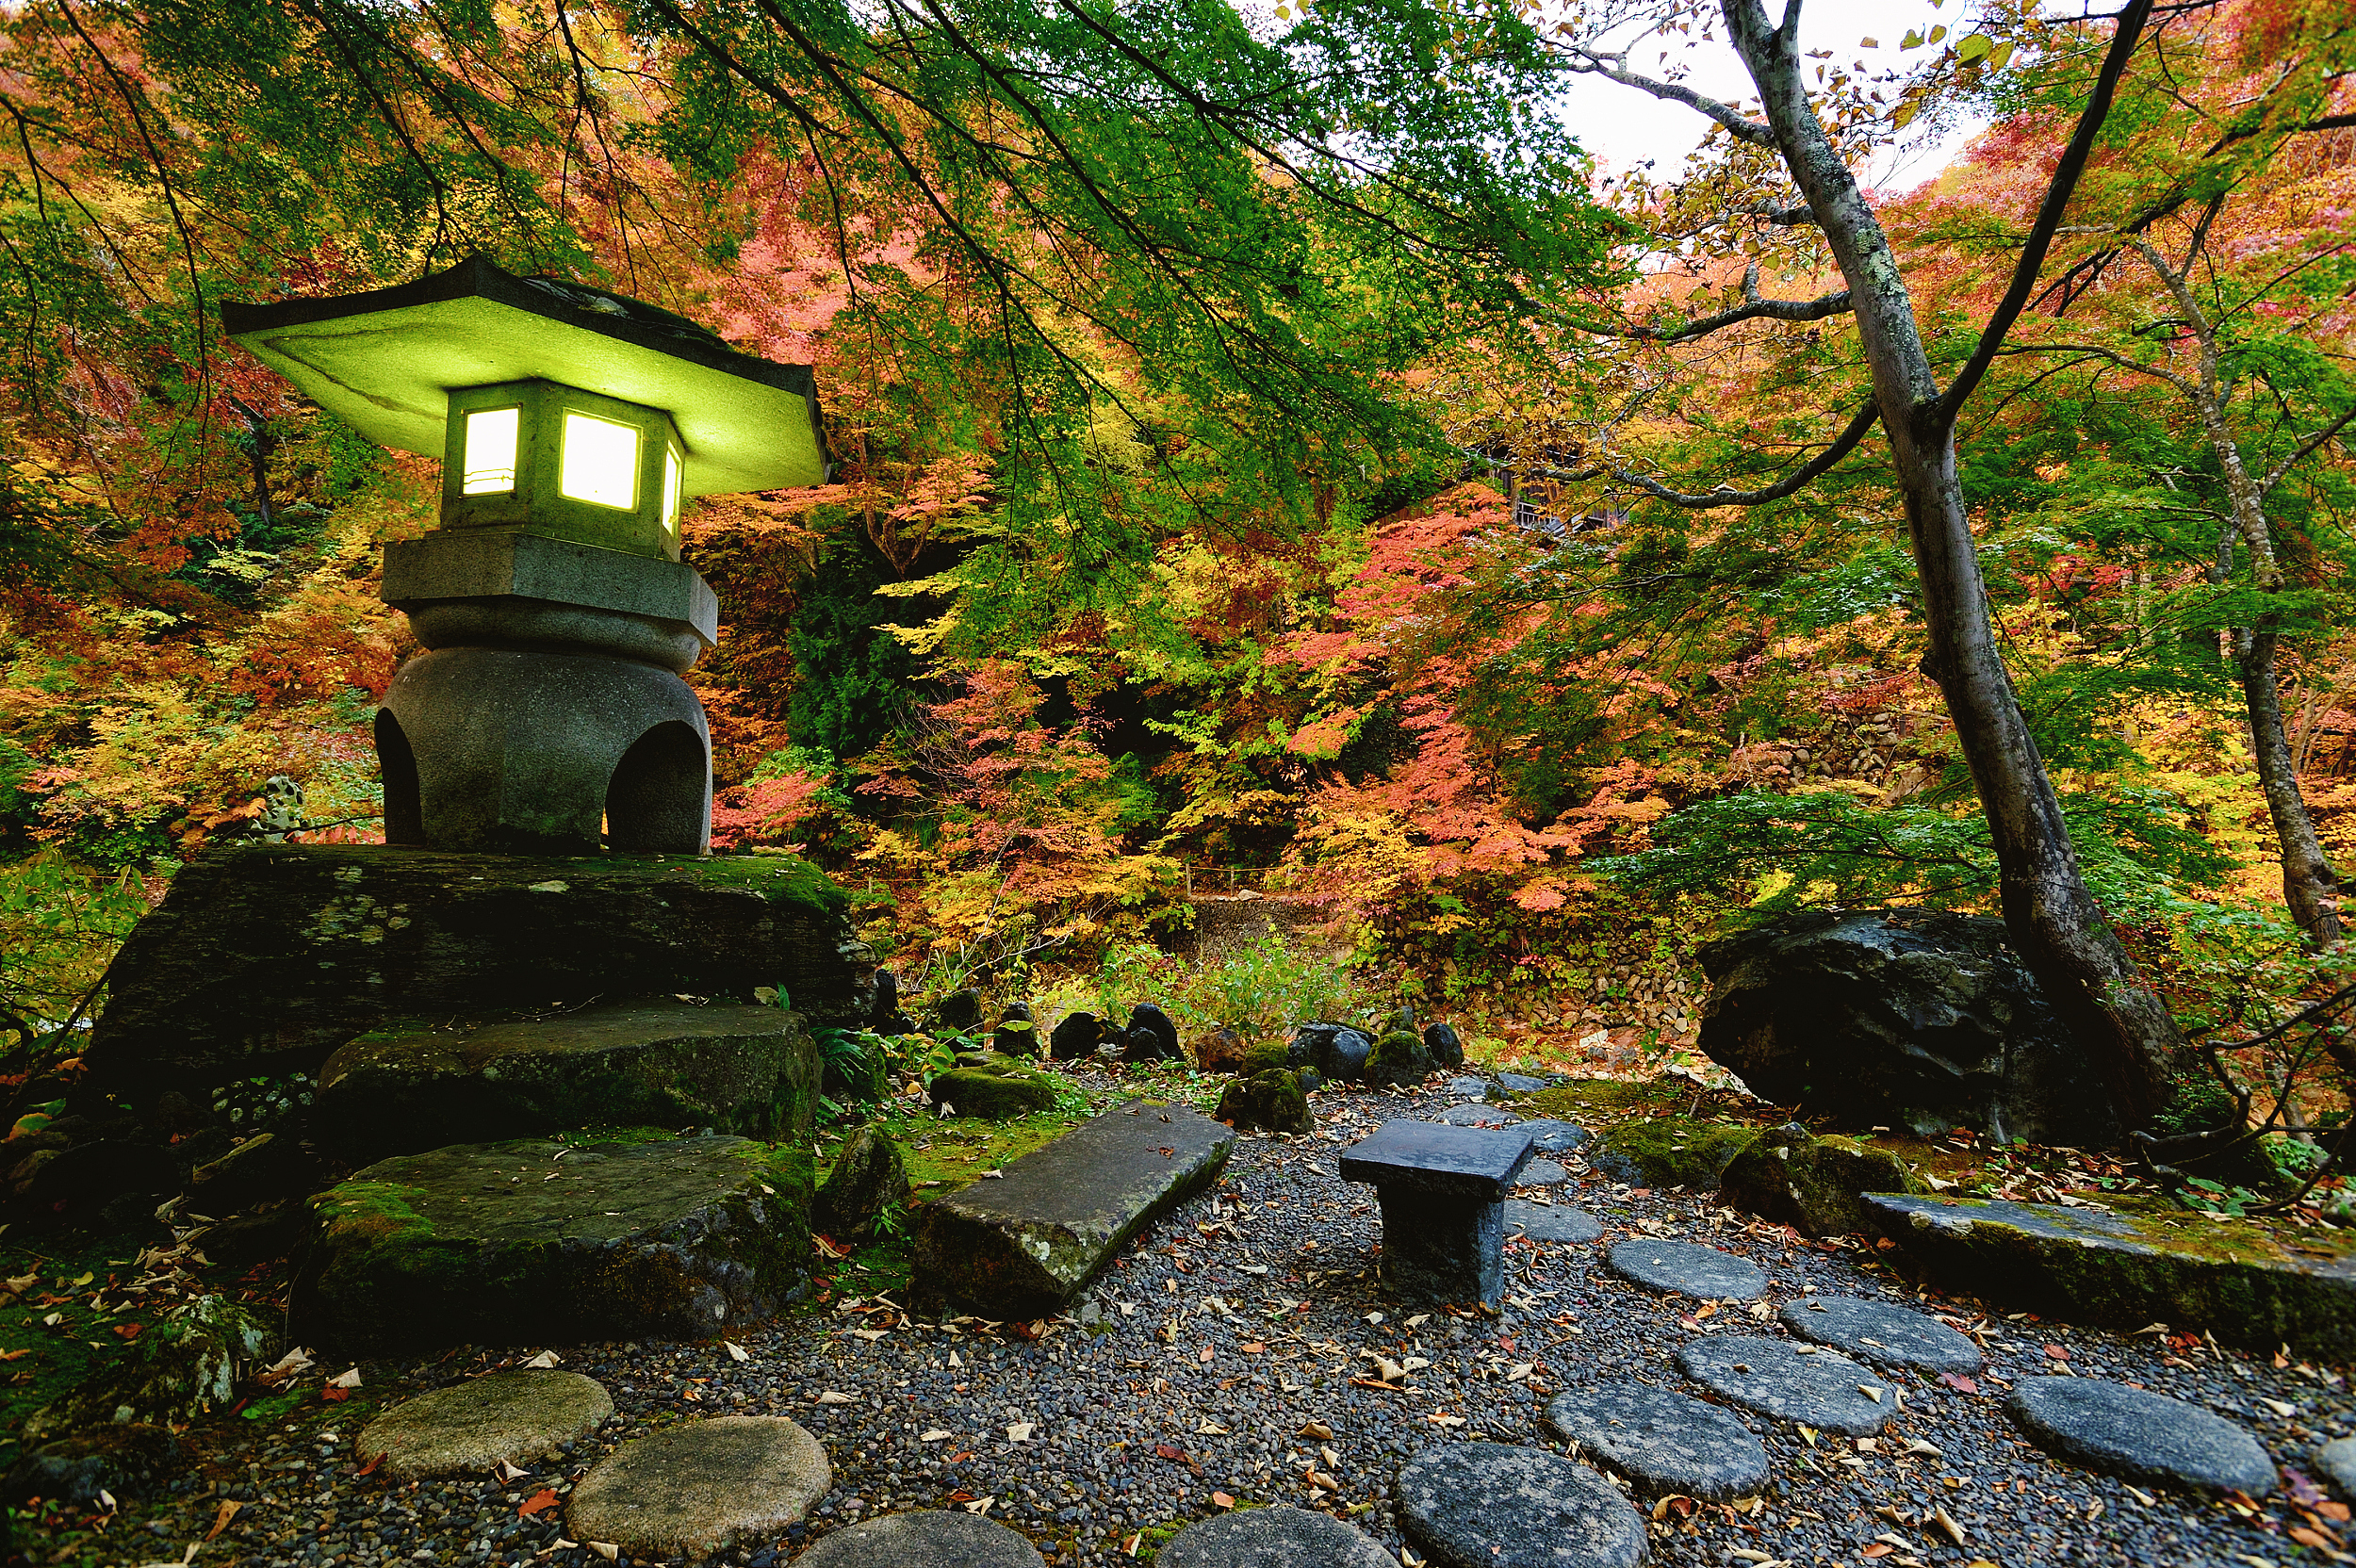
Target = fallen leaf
(545,1360)
(831,1398)
(1254,1348)
(2055,1352)
(1222,1499)
(2279,1408)
(936,1435)
(605,1550)
(507,1472)
(736,1351)
(1206,1355)
(1210,1429)
(1316,1429)
(539,1502)
(1878,1548)
(222,1516)
(1021,1432)
(2306,1537)
(1165,1451)
(347,1380)
(1957,1382)
(1440,1419)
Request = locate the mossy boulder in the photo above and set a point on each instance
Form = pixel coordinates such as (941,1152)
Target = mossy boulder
(263,958)
(186,1363)
(992,1092)
(2137,1262)
(1399,1057)
(1270,1101)
(1814,1184)
(1668,1151)
(656,1062)
(536,1243)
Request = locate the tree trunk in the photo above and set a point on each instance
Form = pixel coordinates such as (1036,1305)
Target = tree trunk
(2051,919)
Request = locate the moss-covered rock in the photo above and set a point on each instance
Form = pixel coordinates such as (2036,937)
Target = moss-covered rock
(869,1175)
(538,1243)
(1668,1151)
(1270,1101)
(185,1364)
(2138,1263)
(1812,1184)
(657,1062)
(1399,1057)
(1265,1056)
(993,1093)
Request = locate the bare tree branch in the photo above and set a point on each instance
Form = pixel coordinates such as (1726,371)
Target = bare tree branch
(1585,61)
(2280,471)
(1753,308)
(1842,445)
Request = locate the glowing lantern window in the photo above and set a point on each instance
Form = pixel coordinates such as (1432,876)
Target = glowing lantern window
(600,461)
(490,461)
(670,487)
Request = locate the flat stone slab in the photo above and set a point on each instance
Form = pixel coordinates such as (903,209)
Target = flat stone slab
(1277,1537)
(2337,1460)
(688,1490)
(515,1417)
(1774,1376)
(1470,1163)
(417,1084)
(1522,1082)
(1556,1222)
(533,1243)
(929,1538)
(2138,1435)
(1465,1088)
(1549,1137)
(2243,1282)
(1663,1441)
(1543,1173)
(1881,1334)
(1479,1116)
(1687,1268)
(1490,1505)
(1023,1247)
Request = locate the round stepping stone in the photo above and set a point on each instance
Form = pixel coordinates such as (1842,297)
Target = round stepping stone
(1277,1537)
(1881,1334)
(2337,1460)
(514,1417)
(1774,1376)
(1683,1267)
(1549,1137)
(1664,1441)
(2138,1435)
(1490,1505)
(1479,1116)
(1465,1088)
(690,1489)
(927,1539)
(1522,1082)
(1542,1173)
(1555,1222)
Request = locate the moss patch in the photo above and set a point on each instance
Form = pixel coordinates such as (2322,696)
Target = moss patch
(1669,1151)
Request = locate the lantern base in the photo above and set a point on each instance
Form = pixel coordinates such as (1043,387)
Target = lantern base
(512,751)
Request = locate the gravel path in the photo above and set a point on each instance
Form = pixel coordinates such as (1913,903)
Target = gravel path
(1232,1358)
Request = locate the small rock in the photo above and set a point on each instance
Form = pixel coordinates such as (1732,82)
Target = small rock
(926,1539)
(1522,1082)
(961,1010)
(869,1176)
(1148,1020)
(1275,1536)
(1549,1137)
(1478,1116)
(1555,1223)
(1445,1046)
(1270,1101)
(190,1360)
(1489,1504)
(2337,1460)
(1664,1441)
(1542,1173)
(1770,1376)
(1015,1037)
(990,1094)
(517,1416)
(1075,1037)
(1399,1058)
(1465,1088)
(1676,1267)
(689,1490)
(1346,1057)
(2138,1435)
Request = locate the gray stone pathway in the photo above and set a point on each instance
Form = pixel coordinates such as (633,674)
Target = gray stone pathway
(2138,1435)
(928,1538)
(1542,1173)
(518,1418)
(1881,1334)
(1684,1267)
(1549,1137)
(1478,1116)
(1664,1441)
(1826,1390)
(1556,1222)
(2337,1460)
(689,1490)
(1492,1505)
(1277,1537)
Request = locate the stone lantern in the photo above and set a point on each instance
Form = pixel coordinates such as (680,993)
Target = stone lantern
(547,715)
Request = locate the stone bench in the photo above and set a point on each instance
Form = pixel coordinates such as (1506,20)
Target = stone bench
(1443,1192)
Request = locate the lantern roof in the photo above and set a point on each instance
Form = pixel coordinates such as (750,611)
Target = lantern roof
(385,361)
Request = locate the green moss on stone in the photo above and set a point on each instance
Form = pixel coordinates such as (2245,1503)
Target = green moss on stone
(1399,1057)
(991,1092)
(1812,1183)
(1669,1151)
(1270,1101)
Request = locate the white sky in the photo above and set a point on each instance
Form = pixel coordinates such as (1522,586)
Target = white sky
(1623,127)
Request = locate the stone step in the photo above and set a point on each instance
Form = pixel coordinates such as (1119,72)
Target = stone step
(1825,1390)
(1493,1505)
(1881,1334)
(1277,1536)
(929,1538)
(2139,1435)
(1686,1269)
(263,958)
(1023,1247)
(1663,1441)
(521,1417)
(417,1084)
(534,1243)
(690,1489)
(2237,1279)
